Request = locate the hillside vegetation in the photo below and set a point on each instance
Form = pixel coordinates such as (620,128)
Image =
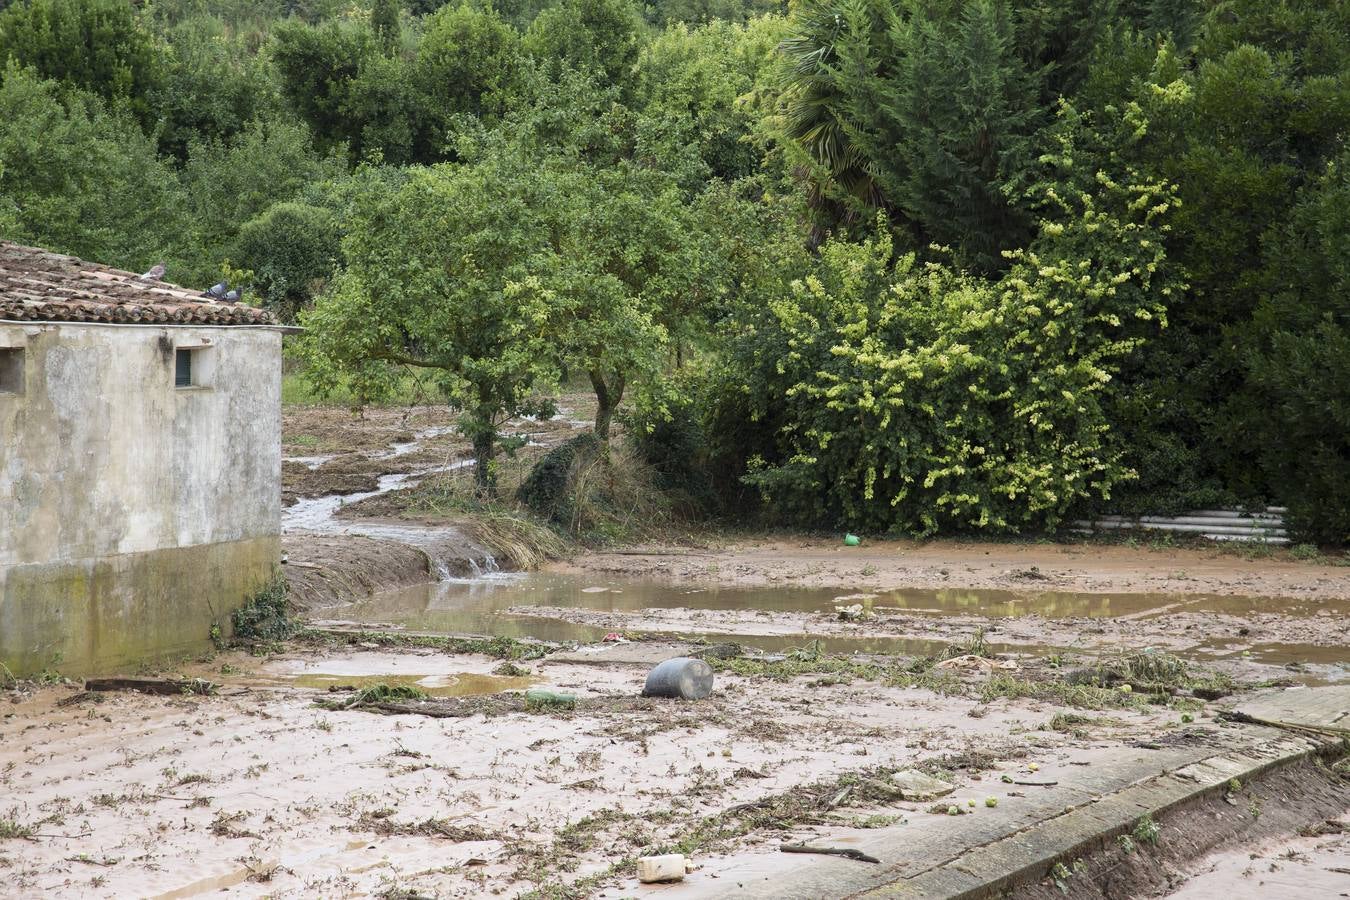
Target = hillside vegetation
(890,265)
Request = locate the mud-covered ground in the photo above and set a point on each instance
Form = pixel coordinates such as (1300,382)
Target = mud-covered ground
(260,790)
(1238,636)
(1039,567)
(329,450)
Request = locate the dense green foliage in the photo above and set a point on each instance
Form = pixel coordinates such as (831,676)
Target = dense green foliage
(894,265)
(291,248)
(267,615)
(97,45)
(924,398)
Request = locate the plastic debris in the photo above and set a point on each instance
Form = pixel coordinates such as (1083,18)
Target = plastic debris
(851,540)
(547,697)
(683,678)
(670,867)
(853,612)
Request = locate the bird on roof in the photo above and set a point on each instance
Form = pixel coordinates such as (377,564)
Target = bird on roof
(155,274)
(217,291)
(234,296)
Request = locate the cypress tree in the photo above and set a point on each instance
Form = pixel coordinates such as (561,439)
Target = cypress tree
(384,21)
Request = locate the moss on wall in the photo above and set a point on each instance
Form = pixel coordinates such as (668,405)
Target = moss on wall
(93,616)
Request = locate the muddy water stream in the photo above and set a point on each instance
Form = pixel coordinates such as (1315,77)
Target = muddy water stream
(571,608)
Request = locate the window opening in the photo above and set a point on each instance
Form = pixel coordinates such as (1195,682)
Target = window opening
(182,368)
(11,370)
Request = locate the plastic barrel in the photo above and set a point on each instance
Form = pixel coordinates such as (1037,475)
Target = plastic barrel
(683,678)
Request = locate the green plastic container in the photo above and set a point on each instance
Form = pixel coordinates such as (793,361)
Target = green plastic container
(851,540)
(547,697)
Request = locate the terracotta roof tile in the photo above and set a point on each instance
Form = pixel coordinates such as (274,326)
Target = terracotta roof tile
(47,287)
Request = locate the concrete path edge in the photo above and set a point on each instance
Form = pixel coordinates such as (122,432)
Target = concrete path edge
(994,860)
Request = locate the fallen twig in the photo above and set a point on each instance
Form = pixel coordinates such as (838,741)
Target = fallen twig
(172,797)
(846,852)
(839,797)
(1036,783)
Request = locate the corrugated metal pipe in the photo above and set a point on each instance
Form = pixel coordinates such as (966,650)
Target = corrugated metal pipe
(1216,524)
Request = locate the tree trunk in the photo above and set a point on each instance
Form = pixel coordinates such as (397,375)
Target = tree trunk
(607,397)
(482,464)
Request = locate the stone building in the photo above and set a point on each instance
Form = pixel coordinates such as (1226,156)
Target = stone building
(140,464)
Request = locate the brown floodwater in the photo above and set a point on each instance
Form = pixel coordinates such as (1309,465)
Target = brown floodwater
(498,606)
(468,598)
(369,670)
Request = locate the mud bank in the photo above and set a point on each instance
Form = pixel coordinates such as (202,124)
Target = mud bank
(887,565)
(325,570)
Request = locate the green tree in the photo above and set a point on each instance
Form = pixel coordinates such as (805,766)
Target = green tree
(702,12)
(212,86)
(1296,354)
(921,398)
(469,62)
(291,249)
(627,258)
(97,45)
(387,115)
(317,67)
(934,112)
(80,179)
(230,182)
(1242,127)
(436,278)
(702,74)
(601,38)
(385,22)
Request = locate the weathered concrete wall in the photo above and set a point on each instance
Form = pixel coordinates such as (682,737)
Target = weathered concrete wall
(133,514)
(99,615)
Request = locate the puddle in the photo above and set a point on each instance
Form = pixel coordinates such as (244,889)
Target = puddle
(367,670)
(500,606)
(433,606)
(463,684)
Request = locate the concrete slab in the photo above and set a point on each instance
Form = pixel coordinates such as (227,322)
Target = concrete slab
(972,857)
(1323,708)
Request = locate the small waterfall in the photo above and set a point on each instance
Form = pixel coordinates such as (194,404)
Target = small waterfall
(440,569)
(484,567)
